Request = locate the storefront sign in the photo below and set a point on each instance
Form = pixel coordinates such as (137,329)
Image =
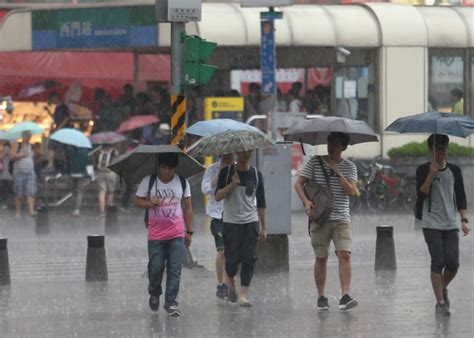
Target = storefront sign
(85,28)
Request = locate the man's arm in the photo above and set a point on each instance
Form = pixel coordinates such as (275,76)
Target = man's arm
(144,203)
(464,225)
(206,184)
(308,204)
(262,216)
(426,186)
(188,219)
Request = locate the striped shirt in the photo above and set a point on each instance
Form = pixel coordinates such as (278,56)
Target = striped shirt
(26,164)
(340,211)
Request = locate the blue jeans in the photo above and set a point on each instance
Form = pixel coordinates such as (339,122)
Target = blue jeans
(170,252)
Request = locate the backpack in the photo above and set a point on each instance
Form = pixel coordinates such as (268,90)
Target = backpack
(150,185)
(104,159)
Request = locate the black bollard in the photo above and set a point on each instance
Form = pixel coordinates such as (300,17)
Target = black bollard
(385,249)
(111,220)
(96,263)
(4,265)
(42,221)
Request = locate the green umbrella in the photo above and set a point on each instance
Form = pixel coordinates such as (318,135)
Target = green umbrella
(231,141)
(141,162)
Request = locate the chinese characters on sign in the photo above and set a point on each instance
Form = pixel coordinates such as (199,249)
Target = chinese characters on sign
(267,57)
(75,28)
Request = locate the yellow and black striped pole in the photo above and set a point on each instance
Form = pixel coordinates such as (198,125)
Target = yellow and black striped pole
(178,119)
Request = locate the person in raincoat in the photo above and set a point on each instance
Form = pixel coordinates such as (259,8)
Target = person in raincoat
(440,194)
(241,187)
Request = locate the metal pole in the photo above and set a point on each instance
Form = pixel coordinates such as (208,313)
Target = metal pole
(177,29)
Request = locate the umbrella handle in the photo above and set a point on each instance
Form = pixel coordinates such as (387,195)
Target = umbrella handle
(302,147)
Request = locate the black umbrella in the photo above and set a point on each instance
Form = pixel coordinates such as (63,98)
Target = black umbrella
(141,162)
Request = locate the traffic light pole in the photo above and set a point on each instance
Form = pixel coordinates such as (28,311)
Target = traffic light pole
(178,100)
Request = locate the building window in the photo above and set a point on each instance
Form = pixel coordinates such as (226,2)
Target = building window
(446,81)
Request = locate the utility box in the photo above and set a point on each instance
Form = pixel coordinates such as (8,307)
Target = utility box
(275,164)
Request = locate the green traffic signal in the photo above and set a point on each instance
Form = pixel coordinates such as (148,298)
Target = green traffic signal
(196,52)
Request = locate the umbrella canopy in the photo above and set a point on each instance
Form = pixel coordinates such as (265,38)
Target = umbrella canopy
(16,131)
(434,123)
(212,127)
(137,122)
(316,131)
(72,137)
(141,162)
(107,137)
(231,141)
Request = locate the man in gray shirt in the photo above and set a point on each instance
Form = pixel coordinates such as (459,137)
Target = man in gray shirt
(440,193)
(241,187)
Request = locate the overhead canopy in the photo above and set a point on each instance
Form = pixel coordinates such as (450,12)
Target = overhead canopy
(354,25)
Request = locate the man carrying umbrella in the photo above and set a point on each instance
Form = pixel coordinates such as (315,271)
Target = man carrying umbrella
(342,183)
(167,198)
(440,194)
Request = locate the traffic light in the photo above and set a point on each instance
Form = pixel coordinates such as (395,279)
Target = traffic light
(196,51)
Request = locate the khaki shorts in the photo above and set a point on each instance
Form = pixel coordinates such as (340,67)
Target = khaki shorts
(321,236)
(107,181)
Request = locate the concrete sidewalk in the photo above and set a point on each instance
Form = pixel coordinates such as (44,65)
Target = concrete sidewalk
(48,296)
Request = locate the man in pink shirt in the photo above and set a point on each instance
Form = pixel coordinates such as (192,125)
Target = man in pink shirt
(167,198)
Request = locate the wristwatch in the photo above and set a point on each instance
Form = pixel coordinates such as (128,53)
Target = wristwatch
(190,232)
(464,220)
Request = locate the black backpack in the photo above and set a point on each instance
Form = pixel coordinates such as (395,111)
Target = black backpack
(150,185)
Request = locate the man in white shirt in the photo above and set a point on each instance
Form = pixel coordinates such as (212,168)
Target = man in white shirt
(214,210)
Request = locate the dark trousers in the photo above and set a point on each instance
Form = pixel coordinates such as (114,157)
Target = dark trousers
(127,194)
(240,246)
(444,249)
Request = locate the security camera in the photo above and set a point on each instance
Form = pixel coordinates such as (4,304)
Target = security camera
(344,51)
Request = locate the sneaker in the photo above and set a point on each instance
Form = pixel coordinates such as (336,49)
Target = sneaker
(442,309)
(232,295)
(76,213)
(244,302)
(445,297)
(172,310)
(154,303)
(347,302)
(221,291)
(323,303)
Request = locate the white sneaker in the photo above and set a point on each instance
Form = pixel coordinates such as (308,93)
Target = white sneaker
(76,213)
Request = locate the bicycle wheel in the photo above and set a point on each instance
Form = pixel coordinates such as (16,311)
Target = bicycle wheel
(408,196)
(377,197)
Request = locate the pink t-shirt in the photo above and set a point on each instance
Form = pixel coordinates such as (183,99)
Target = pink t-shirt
(165,221)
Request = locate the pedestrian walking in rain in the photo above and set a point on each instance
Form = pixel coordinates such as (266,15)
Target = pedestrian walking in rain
(24,177)
(5,175)
(77,160)
(106,178)
(241,188)
(167,198)
(342,176)
(441,194)
(214,210)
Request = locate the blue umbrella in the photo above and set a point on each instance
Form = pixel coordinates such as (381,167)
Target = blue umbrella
(72,137)
(16,131)
(434,123)
(212,127)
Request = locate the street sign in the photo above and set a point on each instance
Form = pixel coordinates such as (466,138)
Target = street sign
(265,3)
(267,57)
(178,10)
(87,28)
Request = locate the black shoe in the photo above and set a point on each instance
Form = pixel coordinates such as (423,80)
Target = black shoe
(221,291)
(154,303)
(445,297)
(347,302)
(442,310)
(323,303)
(172,310)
